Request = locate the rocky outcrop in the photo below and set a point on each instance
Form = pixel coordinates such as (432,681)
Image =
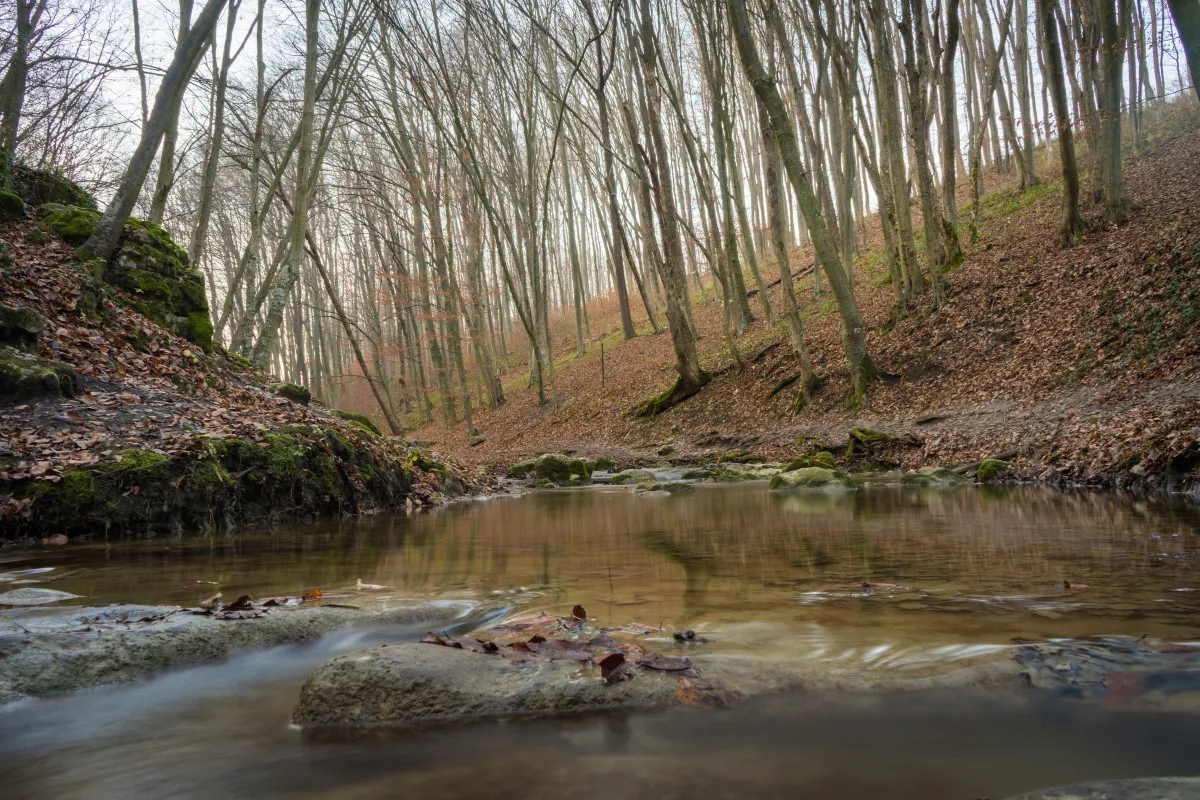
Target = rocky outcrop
(554,469)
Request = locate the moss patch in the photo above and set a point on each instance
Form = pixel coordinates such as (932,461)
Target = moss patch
(12,207)
(25,376)
(72,223)
(293,392)
(360,421)
(40,186)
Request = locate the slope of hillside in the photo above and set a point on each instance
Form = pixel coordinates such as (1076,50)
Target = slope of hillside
(1080,365)
(113,424)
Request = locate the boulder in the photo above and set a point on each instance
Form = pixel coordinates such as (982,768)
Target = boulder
(72,223)
(811,478)
(561,470)
(25,376)
(40,186)
(294,392)
(12,207)
(408,683)
(632,476)
(154,271)
(20,327)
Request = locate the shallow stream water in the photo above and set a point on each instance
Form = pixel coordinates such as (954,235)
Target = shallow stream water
(772,580)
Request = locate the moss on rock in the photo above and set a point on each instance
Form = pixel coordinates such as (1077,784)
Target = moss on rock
(632,476)
(12,207)
(561,470)
(299,472)
(39,186)
(71,223)
(150,267)
(821,459)
(811,478)
(294,392)
(360,421)
(20,327)
(25,376)
(991,469)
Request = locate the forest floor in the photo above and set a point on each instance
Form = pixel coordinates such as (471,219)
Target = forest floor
(1082,366)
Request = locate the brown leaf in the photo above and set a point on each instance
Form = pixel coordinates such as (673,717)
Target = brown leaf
(706,693)
(243,603)
(210,602)
(578,613)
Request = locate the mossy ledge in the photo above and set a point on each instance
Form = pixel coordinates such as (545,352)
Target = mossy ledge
(294,474)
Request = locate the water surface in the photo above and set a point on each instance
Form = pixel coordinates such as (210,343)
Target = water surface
(770,579)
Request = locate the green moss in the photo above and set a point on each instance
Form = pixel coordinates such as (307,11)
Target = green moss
(990,469)
(73,224)
(211,476)
(360,421)
(140,460)
(25,376)
(35,236)
(420,459)
(293,392)
(39,186)
(12,207)
(77,487)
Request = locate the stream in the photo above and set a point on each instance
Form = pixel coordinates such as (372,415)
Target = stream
(887,586)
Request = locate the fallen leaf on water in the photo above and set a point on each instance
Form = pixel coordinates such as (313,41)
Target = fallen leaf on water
(578,613)
(315,594)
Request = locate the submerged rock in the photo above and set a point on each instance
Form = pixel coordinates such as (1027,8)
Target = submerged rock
(34,597)
(47,651)
(811,478)
(1136,789)
(407,683)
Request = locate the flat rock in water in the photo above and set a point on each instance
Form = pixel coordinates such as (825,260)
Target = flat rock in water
(1138,789)
(34,597)
(409,683)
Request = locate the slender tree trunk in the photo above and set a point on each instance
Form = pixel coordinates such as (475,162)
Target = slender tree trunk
(1071,223)
(108,230)
(1186,14)
(166,161)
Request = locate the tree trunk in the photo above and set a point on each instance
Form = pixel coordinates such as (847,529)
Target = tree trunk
(1186,14)
(108,230)
(1071,223)
(862,370)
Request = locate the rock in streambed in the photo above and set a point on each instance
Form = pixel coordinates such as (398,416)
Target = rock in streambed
(46,651)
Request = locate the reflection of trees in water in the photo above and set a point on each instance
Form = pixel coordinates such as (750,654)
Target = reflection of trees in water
(749,536)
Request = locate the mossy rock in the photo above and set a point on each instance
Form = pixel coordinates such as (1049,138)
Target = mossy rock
(868,436)
(25,376)
(155,273)
(821,459)
(291,473)
(20,327)
(74,225)
(294,392)
(521,469)
(40,186)
(933,476)
(604,464)
(360,421)
(561,470)
(627,476)
(12,207)
(811,478)
(668,487)
(697,474)
(991,469)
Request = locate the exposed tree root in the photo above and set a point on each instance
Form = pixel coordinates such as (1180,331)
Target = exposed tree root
(670,398)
